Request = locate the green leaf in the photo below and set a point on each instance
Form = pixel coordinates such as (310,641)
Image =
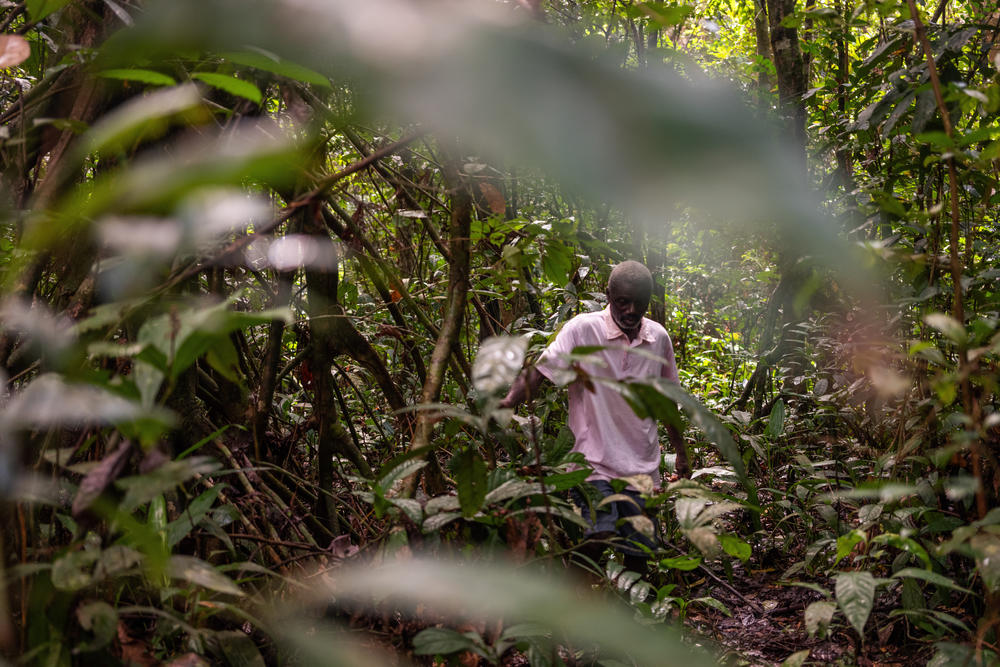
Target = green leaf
(735,547)
(665,15)
(442,641)
(714,430)
(39,9)
(846,543)
(272,63)
(141,118)
(797,659)
(149,76)
(180,527)
(776,422)
(855,592)
(101,620)
(557,262)
(470,480)
(71,572)
(931,577)
(986,546)
(566,480)
(818,616)
(141,489)
(198,572)
(682,563)
(404,469)
(231,85)
(949,326)
(238,648)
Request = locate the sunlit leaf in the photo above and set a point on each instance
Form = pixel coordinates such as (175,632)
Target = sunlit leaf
(735,547)
(143,117)
(947,325)
(682,563)
(231,85)
(149,76)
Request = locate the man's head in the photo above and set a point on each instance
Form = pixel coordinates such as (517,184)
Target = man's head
(629,289)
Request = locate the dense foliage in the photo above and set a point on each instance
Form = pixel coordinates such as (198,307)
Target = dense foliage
(267,272)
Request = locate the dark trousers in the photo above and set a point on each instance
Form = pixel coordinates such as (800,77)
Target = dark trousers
(610,521)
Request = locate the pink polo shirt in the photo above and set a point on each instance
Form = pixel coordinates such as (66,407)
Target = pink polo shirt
(608,433)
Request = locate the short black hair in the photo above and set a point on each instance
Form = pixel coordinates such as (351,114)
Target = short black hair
(632,273)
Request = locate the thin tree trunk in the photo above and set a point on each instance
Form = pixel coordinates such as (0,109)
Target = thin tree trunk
(458,288)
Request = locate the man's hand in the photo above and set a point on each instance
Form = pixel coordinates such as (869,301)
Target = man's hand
(681,467)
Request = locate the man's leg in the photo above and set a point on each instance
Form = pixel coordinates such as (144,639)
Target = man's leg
(634,556)
(601,530)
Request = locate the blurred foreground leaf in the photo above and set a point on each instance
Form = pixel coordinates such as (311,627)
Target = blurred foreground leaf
(516,594)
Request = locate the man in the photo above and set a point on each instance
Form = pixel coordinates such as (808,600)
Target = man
(614,440)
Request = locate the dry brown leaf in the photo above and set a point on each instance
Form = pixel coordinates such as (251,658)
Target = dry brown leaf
(494,199)
(14,50)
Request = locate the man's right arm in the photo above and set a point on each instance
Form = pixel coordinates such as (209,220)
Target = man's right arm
(525,388)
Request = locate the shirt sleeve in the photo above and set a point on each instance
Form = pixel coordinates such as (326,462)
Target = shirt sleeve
(670,367)
(552,363)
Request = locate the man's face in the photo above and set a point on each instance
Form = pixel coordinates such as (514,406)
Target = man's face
(628,302)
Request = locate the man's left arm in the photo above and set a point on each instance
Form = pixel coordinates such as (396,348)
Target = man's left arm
(681,466)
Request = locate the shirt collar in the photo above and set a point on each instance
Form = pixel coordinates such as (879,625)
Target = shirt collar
(611,330)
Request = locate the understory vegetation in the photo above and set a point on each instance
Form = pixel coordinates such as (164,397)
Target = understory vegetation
(268,268)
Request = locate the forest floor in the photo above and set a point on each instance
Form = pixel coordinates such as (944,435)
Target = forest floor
(767,626)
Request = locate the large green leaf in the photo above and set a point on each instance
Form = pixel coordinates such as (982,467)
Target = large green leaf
(457,589)
(149,76)
(433,641)
(498,363)
(855,592)
(272,63)
(931,577)
(140,118)
(716,432)
(231,85)
(39,9)
(470,479)
(180,527)
(776,422)
(643,139)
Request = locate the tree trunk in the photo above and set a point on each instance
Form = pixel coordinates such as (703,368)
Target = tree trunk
(458,288)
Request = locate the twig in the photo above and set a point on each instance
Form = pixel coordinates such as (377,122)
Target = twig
(750,603)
